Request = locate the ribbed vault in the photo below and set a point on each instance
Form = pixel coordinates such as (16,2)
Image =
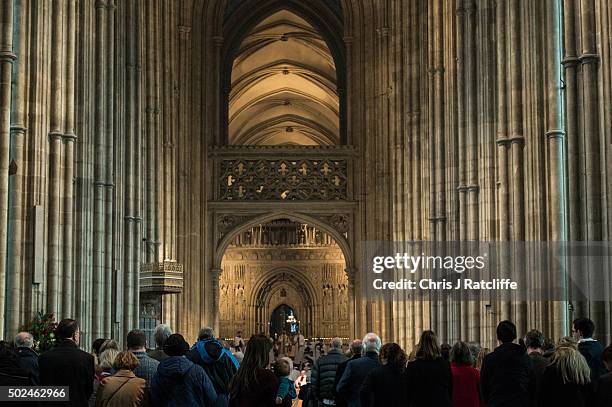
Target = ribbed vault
(283,86)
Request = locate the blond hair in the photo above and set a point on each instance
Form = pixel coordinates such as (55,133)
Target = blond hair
(571,365)
(107,358)
(567,342)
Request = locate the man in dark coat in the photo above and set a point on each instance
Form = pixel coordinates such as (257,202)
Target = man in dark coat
(323,375)
(28,359)
(67,365)
(219,363)
(356,348)
(180,382)
(11,373)
(534,341)
(506,377)
(603,386)
(356,371)
(582,330)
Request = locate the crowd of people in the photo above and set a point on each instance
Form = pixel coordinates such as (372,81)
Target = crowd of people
(528,371)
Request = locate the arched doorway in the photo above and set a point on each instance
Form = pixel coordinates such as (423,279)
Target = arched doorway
(283,319)
(284,262)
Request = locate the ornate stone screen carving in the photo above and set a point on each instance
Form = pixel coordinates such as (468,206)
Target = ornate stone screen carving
(291,179)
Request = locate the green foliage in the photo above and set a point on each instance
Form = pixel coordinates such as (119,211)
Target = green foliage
(42,327)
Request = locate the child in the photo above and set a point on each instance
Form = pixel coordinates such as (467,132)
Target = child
(286,388)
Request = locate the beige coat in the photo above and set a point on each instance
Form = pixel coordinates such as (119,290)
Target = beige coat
(121,389)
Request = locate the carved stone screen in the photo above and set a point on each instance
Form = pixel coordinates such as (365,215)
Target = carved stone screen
(283,179)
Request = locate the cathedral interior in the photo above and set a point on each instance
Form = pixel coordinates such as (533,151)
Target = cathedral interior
(223,162)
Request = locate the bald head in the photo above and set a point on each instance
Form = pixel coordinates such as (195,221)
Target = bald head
(24,340)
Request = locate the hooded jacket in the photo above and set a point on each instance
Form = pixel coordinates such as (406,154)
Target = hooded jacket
(179,382)
(217,362)
(507,377)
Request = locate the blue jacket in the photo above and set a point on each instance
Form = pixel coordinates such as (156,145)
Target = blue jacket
(218,363)
(356,371)
(179,382)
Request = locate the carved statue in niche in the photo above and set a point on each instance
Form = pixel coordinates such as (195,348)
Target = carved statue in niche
(224,306)
(240,303)
(343,298)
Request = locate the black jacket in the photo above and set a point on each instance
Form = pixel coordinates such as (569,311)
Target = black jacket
(539,366)
(11,374)
(603,391)
(341,400)
(429,383)
(507,377)
(218,363)
(592,351)
(323,377)
(354,375)
(383,387)
(555,393)
(28,360)
(67,365)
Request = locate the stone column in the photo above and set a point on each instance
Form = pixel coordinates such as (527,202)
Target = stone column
(15,307)
(557,173)
(215,275)
(53,303)
(69,139)
(99,275)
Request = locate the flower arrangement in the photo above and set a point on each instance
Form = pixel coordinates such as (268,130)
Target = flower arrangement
(42,327)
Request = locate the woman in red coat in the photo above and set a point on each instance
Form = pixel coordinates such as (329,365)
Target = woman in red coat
(466,379)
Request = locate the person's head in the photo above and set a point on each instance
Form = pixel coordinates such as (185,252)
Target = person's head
(109,344)
(506,332)
(356,347)
(239,333)
(460,354)
(428,348)
(256,356)
(474,350)
(606,356)
(176,345)
(336,343)
(583,328)
(371,343)
(136,340)
(106,360)
(548,346)
(571,365)
(68,329)
(125,361)
(95,347)
(161,333)
(281,367)
(8,353)
(567,342)
(480,357)
(206,333)
(534,341)
(24,340)
(445,350)
(391,354)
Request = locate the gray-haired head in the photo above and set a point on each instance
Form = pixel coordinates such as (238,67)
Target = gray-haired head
(336,343)
(161,333)
(24,340)
(371,343)
(206,333)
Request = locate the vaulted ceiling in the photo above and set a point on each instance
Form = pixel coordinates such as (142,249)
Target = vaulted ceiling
(283,86)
